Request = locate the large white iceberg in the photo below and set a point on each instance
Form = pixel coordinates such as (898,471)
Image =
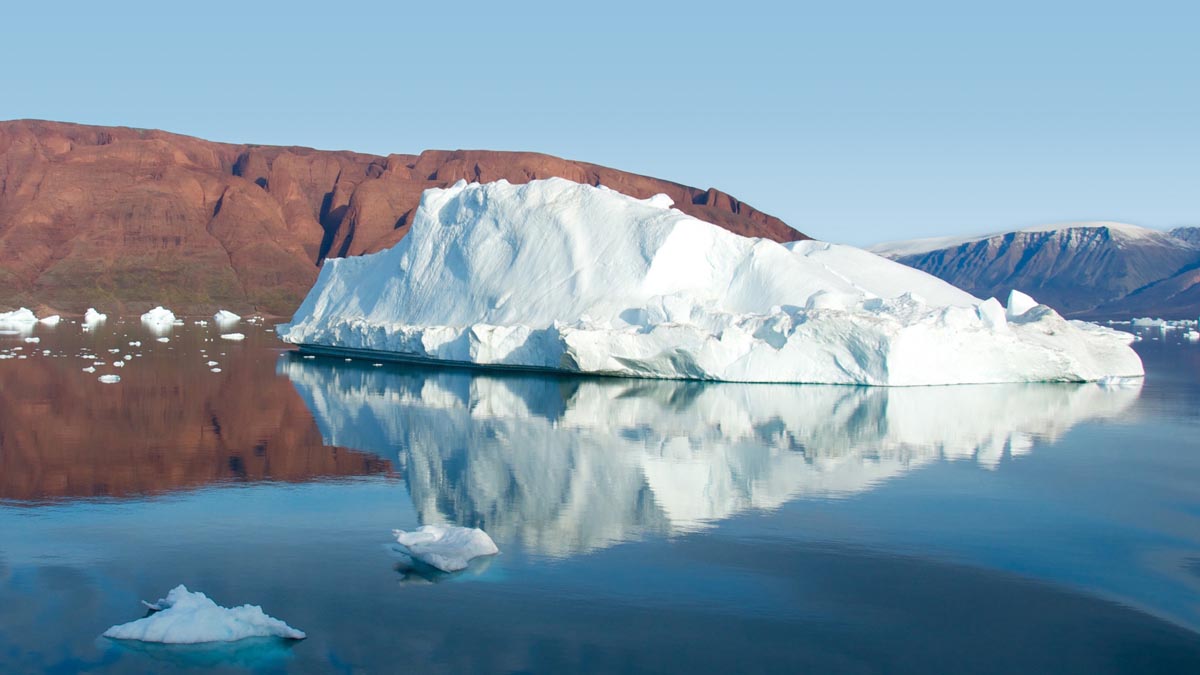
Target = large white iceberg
(184,617)
(562,276)
(447,547)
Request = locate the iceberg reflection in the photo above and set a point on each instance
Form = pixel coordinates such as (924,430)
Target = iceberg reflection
(569,465)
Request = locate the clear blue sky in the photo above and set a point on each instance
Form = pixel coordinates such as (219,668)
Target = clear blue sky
(853,121)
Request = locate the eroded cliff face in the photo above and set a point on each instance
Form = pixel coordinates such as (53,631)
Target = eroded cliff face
(129,218)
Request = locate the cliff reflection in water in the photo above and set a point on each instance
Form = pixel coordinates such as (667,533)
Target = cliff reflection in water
(569,465)
(170,424)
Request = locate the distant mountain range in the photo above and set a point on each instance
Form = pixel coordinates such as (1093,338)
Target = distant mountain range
(125,219)
(1085,270)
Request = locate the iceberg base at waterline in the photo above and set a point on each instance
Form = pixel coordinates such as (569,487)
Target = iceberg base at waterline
(184,617)
(561,276)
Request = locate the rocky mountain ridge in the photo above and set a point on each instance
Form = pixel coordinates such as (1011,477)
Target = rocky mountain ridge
(125,219)
(1086,270)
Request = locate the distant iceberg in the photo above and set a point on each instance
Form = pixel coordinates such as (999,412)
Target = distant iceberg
(20,317)
(447,547)
(562,276)
(92,317)
(226,318)
(184,617)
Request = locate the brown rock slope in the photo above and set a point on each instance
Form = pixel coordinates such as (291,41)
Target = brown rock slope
(126,218)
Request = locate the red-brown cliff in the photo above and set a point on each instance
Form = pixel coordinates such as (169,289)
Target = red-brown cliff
(124,219)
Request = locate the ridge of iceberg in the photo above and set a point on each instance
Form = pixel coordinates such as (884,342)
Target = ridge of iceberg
(562,276)
(184,617)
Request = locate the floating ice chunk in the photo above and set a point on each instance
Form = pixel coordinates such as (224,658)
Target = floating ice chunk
(159,316)
(20,317)
(164,339)
(51,320)
(226,318)
(212,363)
(135,343)
(184,617)
(118,364)
(92,317)
(33,340)
(561,276)
(1147,322)
(1191,335)
(1018,304)
(447,547)
(233,336)
(110,379)
(216,370)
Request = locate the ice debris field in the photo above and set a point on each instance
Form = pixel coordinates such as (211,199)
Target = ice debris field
(159,323)
(561,276)
(185,617)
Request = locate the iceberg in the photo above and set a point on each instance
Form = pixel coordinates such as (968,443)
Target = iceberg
(447,547)
(51,320)
(226,318)
(92,317)
(555,275)
(20,317)
(159,320)
(233,336)
(184,617)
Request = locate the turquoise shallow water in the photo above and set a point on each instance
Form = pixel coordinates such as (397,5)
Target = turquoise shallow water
(644,526)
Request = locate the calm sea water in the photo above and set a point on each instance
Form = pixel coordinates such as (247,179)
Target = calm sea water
(644,526)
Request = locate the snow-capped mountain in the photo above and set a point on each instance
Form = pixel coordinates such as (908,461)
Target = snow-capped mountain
(1083,269)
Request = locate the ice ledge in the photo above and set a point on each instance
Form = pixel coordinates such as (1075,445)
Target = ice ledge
(945,346)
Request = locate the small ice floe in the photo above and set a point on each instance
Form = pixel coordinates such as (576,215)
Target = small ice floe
(377,365)
(135,343)
(33,340)
(92,317)
(21,317)
(51,320)
(210,364)
(110,379)
(159,317)
(201,322)
(184,617)
(447,547)
(308,356)
(113,351)
(216,370)
(233,336)
(1191,335)
(226,318)
(127,357)
(118,364)
(164,339)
